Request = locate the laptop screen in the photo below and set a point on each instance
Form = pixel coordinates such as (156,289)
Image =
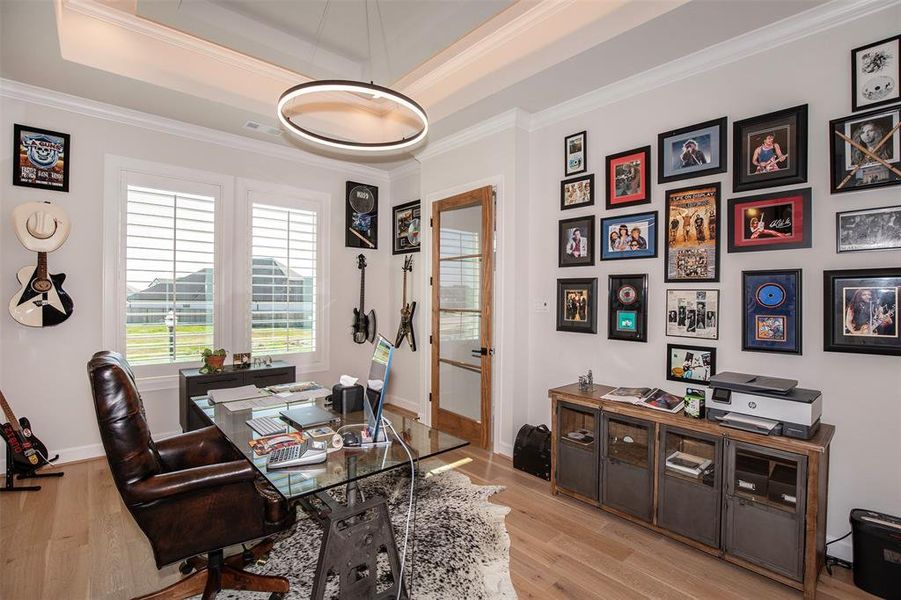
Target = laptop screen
(379,369)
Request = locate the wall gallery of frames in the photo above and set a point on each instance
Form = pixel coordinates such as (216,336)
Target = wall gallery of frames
(769,160)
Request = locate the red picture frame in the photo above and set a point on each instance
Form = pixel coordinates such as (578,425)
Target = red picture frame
(629,178)
(775,221)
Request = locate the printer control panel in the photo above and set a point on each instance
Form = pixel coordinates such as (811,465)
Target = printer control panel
(722,396)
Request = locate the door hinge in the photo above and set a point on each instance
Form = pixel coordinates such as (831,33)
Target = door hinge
(430,396)
(431,222)
(430,281)
(430,339)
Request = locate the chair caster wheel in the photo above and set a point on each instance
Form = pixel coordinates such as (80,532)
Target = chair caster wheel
(276,596)
(184,568)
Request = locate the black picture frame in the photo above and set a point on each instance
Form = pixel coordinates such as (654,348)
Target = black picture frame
(646,221)
(406,221)
(33,150)
(840,302)
(771,316)
(574,182)
(627,307)
(361,230)
(565,229)
(588,323)
(850,168)
(714,150)
(869,74)
(789,226)
(888,229)
(684,256)
(788,127)
(643,157)
(581,165)
(696,354)
(690,319)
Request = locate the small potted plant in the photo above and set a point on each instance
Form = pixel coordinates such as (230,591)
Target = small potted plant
(213,360)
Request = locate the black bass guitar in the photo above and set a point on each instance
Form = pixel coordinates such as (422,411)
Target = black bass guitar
(41,301)
(364,324)
(405,331)
(27,451)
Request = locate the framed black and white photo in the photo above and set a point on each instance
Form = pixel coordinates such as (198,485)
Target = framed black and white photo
(876,74)
(575,154)
(629,236)
(771,314)
(690,364)
(693,313)
(861,311)
(627,308)
(577,305)
(361,216)
(407,228)
(770,150)
(868,229)
(41,158)
(576,242)
(577,192)
(866,150)
(692,151)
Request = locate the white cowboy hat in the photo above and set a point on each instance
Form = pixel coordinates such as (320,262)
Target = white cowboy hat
(41,226)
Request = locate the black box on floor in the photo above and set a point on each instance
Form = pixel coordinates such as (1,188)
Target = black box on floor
(877,553)
(532,451)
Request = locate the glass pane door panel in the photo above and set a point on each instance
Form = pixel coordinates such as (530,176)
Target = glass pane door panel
(461,389)
(690,458)
(627,442)
(766,479)
(576,427)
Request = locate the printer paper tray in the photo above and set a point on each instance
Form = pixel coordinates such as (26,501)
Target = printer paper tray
(752,424)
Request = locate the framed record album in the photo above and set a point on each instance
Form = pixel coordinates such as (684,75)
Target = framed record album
(407,227)
(575,153)
(777,221)
(693,313)
(866,150)
(577,305)
(361,216)
(770,150)
(629,178)
(861,310)
(692,251)
(771,315)
(876,74)
(627,303)
(690,364)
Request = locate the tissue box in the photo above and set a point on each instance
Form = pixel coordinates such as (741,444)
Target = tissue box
(347,399)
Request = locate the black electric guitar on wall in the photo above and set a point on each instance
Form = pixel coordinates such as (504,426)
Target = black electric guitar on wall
(41,301)
(27,451)
(405,331)
(364,324)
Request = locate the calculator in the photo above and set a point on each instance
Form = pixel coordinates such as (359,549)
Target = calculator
(297,455)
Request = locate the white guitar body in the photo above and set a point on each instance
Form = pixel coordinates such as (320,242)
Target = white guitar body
(34,307)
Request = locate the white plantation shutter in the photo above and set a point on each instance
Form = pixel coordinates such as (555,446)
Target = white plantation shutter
(283,279)
(170,250)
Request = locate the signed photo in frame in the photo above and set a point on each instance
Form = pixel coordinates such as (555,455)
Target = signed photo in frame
(777,221)
(868,229)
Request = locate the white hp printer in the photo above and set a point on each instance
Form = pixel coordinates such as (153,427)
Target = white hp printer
(767,405)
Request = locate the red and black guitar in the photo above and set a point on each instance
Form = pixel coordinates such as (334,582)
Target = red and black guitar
(27,451)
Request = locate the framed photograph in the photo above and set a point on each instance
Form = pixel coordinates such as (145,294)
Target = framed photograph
(361,216)
(576,247)
(627,303)
(692,244)
(692,151)
(577,192)
(577,305)
(868,229)
(777,221)
(41,158)
(690,364)
(866,150)
(407,228)
(629,178)
(693,313)
(876,74)
(861,311)
(575,154)
(771,315)
(629,236)
(770,150)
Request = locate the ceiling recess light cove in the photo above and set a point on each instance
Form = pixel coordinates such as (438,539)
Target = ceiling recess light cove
(376,92)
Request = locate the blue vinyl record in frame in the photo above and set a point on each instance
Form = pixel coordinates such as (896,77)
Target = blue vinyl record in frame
(771,319)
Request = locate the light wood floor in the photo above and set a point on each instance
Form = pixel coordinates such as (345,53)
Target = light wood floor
(74,539)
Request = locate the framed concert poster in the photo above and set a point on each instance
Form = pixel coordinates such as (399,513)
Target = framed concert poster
(41,158)
(690,364)
(577,192)
(576,154)
(777,221)
(866,150)
(861,311)
(868,229)
(770,150)
(629,236)
(361,216)
(692,151)
(876,74)
(693,313)
(407,228)
(627,303)
(771,315)
(692,251)
(577,305)
(629,178)
(576,242)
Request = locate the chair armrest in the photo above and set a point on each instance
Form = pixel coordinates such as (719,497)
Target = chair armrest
(196,448)
(208,477)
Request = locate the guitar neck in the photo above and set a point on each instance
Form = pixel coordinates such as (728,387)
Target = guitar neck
(8,411)
(42,265)
(404,304)
(362,286)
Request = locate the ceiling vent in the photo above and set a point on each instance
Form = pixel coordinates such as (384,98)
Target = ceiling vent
(267,129)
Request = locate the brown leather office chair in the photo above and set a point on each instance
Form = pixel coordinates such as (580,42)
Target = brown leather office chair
(191,495)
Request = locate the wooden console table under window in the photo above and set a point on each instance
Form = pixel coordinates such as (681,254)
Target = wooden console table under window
(760,501)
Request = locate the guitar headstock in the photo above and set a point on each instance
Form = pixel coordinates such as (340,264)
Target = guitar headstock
(361,262)
(408,264)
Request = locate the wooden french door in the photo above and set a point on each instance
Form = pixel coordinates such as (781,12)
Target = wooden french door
(462,290)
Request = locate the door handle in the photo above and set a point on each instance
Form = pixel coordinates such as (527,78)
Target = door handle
(478,352)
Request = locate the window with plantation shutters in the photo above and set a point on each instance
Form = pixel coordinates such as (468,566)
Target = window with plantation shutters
(283,276)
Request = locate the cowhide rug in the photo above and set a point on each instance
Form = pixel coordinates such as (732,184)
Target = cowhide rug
(462,550)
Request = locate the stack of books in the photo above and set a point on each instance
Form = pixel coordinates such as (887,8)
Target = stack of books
(650,397)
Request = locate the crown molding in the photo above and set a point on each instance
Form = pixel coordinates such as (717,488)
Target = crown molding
(790,29)
(513,118)
(17,90)
(405,170)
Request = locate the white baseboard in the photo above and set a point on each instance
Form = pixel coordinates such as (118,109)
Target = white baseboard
(504,449)
(405,404)
(843,549)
